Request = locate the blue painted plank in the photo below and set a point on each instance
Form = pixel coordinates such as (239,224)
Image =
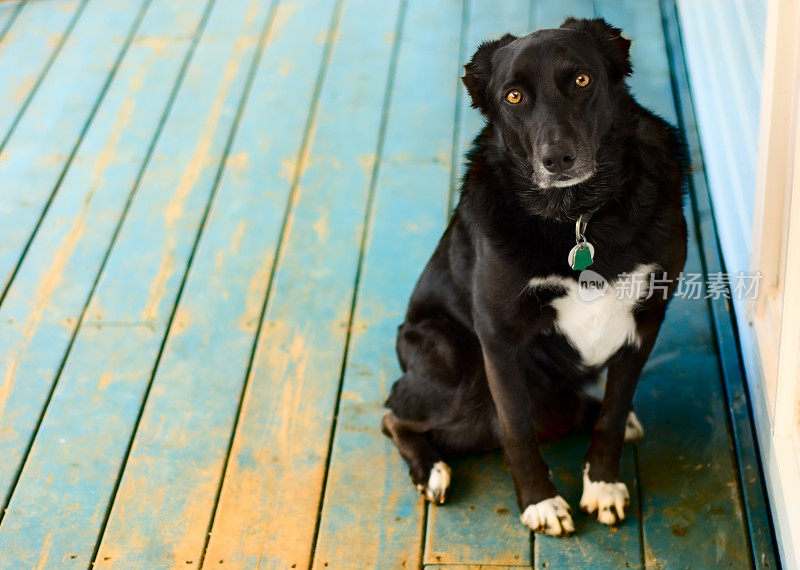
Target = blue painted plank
(290,400)
(60,502)
(368,485)
(605,547)
(640,21)
(8,13)
(490,20)
(549,14)
(39,150)
(208,321)
(750,478)
(167,495)
(610,548)
(480,523)
(33,38)
(487,530)
(41,311)
(692,514)
(469,567)
(486,21)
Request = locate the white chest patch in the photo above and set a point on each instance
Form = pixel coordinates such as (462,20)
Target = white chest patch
(598,325)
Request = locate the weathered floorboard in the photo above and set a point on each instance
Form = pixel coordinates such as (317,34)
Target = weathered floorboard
(41,145)
(692,515)
(480,522)
(610,548)
(469,566)
(35,37)
(60,501)
(486,21)
(281,444)
(206,251)
(617,547)
(8,13)
(553,14)
(753,493)
(368,485)
(44,303)
(167,495)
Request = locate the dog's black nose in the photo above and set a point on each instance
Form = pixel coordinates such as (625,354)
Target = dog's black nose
(558,156)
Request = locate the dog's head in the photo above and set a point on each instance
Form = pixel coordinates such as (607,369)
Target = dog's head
(552,97)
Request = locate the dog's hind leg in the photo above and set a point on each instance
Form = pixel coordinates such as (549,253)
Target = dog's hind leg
(439,361)
(428,471)
(593,397)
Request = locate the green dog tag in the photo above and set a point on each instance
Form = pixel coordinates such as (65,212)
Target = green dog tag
(581,256)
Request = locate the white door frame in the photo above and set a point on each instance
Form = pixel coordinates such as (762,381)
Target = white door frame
(775,314)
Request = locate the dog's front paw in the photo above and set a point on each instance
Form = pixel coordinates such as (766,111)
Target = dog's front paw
(435,490)
(550,516)
(606,500)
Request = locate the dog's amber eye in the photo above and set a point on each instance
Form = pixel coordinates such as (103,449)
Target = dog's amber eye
(582,80)
(513,96)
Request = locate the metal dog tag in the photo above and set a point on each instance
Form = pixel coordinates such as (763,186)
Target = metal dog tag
(582,255)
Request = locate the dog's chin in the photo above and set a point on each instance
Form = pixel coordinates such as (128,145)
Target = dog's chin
(559,197)
(563,180)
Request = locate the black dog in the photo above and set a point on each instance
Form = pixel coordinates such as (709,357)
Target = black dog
(500,345)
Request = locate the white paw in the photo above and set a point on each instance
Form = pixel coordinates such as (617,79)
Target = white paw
(633,429)
(550,516)
(438,482)
(608,500)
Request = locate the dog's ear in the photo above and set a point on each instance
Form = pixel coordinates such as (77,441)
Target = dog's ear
(613,46)
(479,70)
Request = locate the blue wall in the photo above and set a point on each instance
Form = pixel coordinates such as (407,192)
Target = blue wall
(724,48)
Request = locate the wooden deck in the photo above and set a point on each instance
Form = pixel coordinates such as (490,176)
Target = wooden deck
(212,216)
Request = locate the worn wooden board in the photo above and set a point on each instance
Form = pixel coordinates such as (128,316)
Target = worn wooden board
(750,477)
(617,547)
(281,444)
(480,522)
(36,36)
(692,513)
(368,485)
(61,499)
(44,303)
(641,23)
(610,548)
(8,13)
(490,20)
(46,136)
(553,14)
(483,21)
(360,178)
(167,496)
(457,535)
(468,567)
